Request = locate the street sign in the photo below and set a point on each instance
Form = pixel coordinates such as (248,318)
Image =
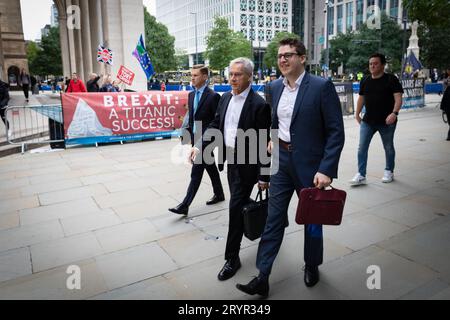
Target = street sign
(321,40)
(125,75)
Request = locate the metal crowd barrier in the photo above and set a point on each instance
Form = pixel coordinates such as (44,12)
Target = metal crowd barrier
(40,124)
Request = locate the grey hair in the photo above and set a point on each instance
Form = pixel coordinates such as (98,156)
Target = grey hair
(247,63)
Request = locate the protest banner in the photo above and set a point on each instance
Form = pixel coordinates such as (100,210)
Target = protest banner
(125,75)
(90,118)
(413,93)
(345,93)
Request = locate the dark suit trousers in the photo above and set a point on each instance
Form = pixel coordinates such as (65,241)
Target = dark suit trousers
(26,89)
(282,186)
(196,179)
(240,192)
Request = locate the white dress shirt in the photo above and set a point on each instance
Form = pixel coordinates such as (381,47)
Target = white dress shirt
(286,108)
(232,116)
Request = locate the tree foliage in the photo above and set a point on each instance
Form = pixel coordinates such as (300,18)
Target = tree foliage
(224,45)
(270,58)
(159,43)
(352,50)
(46,60)
(434,35)
(432,13)
(182,59)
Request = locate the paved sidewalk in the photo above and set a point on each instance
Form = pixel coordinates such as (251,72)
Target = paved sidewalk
(105,210)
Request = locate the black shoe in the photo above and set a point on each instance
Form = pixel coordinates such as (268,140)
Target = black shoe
(256,286)
(215,199)
(311,275)
(229,269)
(180,209)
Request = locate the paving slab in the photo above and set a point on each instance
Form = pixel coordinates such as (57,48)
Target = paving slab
(58,252)
(132,265)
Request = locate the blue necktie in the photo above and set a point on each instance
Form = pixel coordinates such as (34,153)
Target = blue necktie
(196,102)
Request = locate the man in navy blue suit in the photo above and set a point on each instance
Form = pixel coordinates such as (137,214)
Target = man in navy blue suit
(307,113)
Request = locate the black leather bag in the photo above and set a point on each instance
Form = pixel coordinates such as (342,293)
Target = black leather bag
(255,216)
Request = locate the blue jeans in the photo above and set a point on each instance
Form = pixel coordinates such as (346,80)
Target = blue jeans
(387,137)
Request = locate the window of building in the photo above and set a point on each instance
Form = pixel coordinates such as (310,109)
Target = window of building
(284,23)
(251,5)
(382,4)
(285,8)
(277,8)
(394,8)
(252,34)
(330,19)
(277,22)
(340,16)
(252,20)
(359,13)
(261,21)
(269,22)
(268,35)
(269,6)
(243,20)
(261,35)
(260,6)
(349,9)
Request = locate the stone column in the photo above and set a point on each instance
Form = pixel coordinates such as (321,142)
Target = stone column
(105,28)
(86,37)
(64,41)
(388,7)
(95,17)
(354,14)
(71,40)
(344,17)
(79,49)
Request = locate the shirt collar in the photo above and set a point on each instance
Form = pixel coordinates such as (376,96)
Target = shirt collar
(298,82)
(243,94)
(201,89)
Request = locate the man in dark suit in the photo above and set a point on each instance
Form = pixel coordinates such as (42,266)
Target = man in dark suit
(241,114)
(307,114)
(202,109)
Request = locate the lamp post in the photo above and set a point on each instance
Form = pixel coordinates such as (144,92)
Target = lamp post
(327,45)
(196,47)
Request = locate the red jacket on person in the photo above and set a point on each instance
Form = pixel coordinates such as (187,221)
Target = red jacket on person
(76,86)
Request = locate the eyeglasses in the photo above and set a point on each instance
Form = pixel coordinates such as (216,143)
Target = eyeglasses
(287,55)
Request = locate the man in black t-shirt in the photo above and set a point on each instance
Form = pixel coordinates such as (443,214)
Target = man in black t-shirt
(381,94)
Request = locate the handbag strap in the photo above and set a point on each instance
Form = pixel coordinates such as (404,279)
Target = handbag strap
(259,195)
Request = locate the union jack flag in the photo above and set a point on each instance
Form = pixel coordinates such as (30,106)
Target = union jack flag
(104,55)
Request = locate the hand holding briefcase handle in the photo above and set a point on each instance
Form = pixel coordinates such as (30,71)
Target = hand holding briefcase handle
(320,206)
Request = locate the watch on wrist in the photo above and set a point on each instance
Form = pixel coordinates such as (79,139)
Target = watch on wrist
(396,113)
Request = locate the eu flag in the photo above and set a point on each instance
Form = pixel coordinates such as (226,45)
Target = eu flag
(141,54)
(411,66)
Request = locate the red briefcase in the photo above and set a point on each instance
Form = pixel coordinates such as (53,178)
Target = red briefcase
(318,206)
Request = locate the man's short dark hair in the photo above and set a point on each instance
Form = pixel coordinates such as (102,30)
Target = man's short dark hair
(203,69)
(381,56)
(294,42)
